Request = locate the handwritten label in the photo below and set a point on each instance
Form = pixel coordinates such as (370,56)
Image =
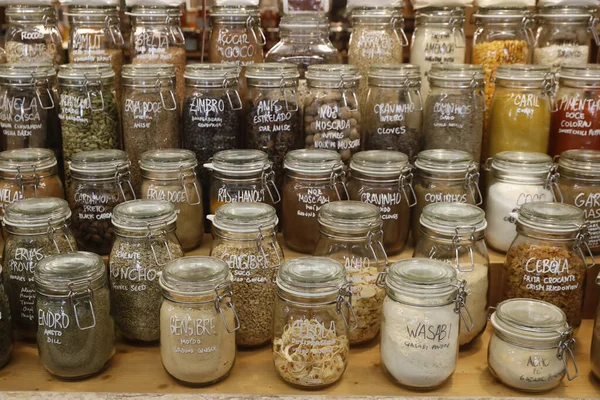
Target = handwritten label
(224,195)
(387,203)
(206,112)
(234,45)
(372,44)
(53,324)
(20,115)
(549,275)
(312,200)
(426,336)
(21,266)
(173,196)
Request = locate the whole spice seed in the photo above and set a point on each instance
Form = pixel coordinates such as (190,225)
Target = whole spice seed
(553,274)
(254,289)
(6,329)
(67,350)
(135,293)
(32,53)
(172,55)
(367,300)
(114,57)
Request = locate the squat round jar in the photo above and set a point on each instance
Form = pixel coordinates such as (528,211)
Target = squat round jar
(384,178)
(454,233)
(145,242)
(170,175)
(245,236)
(35,228)
(76,330)
(99,181)
(313,178)
(241,176)
(313,315)
(547,259)
(531,346)
(197,320)
(422,309)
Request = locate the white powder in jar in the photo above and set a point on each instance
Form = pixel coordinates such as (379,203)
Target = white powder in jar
(525,369)
(502,199)
(477,285)
(419,345)
(556,55)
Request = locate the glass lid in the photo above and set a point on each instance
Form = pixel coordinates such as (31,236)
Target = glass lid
(137,71)
(245,218)
(395,72)
(379,163)
(211,71)
(194,275)
(168,160)
(584,72)
(421,276)
(456,72)
(312,276)
(63,272)
(453,218)
(37,212)
(332,72)
(99,161)
(272,71)
(143,215)
(350,217)
(26,160)
(522,162)
(585,162)
(529,317)
(444,161)
(239,162)
(85,71)
(26,71)
(551,217)
(524,72)
(304,21)
(313,161)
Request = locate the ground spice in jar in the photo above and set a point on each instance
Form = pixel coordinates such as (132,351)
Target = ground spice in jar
(136,258)
(76,331)
(150,112)
(6,328)
(31,53)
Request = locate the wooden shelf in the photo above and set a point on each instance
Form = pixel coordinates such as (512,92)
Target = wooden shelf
(139,370)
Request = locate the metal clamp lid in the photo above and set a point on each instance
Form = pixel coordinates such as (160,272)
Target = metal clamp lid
(91,93)
(62,227)
(183,178)
(345,299)
(398,25)
(161,235)
(110,23)
(477,90)
(552,183)
(377,236)
(343,85)
(406,179)
(35,81)
(460,305)
(458,31)
(268,182)
(238,105)
(273,243)
(472,184)
(338,176)
(565,349)
(122,176)
(224,294)
(22,179)
(582,239)
(250,22)
(549,90)
(462,233)
(160,83)
(82,300)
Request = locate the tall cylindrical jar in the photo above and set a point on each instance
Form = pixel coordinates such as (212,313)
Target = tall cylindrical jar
(99,181)
(242,176)
(563,35)
(377,38)
(95,35)
(422,310)
(313,178)
(595,350)
(532,345)
(32,35)
(392,115)
(455,109)
(35,228)
(576,120)
(547,259)
(197,320)
(351,233)
(76,330)
(439,37)
(384,178)
(245,236)
(170,175)
(332,115)
(579,184)
(157,38)
(88,109)
(145,242)
(523,102)
(150,112)
(443,176)
(273,117)
(28,107)
(516,178)
(454,233)
(312,322)
(6,325)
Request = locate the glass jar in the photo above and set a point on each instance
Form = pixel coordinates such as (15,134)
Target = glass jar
(35,228)
(454,233)
(157,38)
(170,175)
(579,184)
(393,109)
(443,176)
(99,181)
(6,326)
(211,114)
(273,120)
(197,320)
(241,176)
(595,350)
(298,8)
(245,236)
(516,178)
(563,35)
(422,310)
(523,101)
(76,330)
(531,345)
(28,173)
(312,322)
(576,121)
(88,109)
(331,110)
(439,37)
(351,233)
(377,38)
(455,109)
(547,259)
(95,36)
(313,178)
(28,106)
(150,112)
(32,35)
(145,242)
(384,178)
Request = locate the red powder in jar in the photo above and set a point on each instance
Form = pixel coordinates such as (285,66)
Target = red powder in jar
(576,124)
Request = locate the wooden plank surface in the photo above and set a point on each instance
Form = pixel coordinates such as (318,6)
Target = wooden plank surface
(139,369)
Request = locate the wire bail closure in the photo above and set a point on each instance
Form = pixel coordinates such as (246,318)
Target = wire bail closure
(345,299)
(183,177)
(552,183)
(161,234)
(472,185)
(261,245)
(343,85)
(582,240)
(460,305)
(398,28)
(249,25)
(406,180)
(464,233)
(376,235)
(160,83)
(82,300)
(268,179)
(123,178)
(238,105)
(338,177)
(224,294)
(22,179)
(565,349)
(91,93)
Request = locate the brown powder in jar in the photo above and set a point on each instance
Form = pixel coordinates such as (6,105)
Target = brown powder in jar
(552,274)
(171,55)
